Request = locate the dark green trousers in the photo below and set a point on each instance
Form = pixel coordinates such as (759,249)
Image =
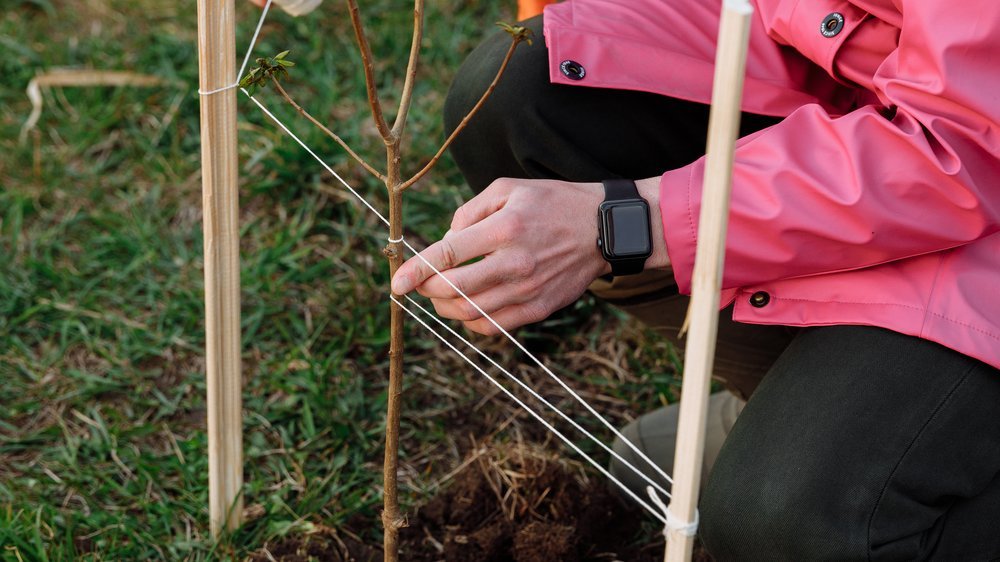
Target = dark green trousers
(858,444)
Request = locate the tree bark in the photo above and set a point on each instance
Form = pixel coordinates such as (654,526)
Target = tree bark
(391,518)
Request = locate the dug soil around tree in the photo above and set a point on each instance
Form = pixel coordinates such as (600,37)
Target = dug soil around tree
(519,503)
(508,503)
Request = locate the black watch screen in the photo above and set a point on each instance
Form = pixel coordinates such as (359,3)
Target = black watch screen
(623,227)
(627,227)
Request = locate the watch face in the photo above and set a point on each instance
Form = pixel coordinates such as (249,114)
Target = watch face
(627,226)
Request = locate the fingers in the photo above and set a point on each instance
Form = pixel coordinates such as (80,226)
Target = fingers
(490,301)
(472,235)
(491,200)
(507,315)
(508,318)
(470,279)
(451,251)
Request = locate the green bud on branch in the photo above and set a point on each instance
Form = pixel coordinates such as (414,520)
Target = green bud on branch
(518,32)
(266,69)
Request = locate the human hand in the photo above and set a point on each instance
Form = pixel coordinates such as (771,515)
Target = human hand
(538,241)
(293,7)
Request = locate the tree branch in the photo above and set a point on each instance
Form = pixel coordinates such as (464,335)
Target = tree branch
(411,69)
(328,132)
(366,62)
(465,120)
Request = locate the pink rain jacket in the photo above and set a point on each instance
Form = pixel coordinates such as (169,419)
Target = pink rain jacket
(876,201)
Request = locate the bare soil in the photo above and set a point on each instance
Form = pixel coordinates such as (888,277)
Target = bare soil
(510,503)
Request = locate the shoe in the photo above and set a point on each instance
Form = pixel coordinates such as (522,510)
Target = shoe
(655,434)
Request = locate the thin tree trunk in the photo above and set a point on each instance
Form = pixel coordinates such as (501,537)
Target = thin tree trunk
(391,518)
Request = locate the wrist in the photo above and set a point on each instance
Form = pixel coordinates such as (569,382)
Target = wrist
(595,192)
(649,189)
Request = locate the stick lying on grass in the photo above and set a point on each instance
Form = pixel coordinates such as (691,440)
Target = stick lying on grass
(75,77)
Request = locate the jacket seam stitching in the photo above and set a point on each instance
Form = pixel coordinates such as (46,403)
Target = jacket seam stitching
(690,214)
(930,293)
(848,302)
(966,325)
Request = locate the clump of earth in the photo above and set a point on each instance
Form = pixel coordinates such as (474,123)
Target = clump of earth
(510,503)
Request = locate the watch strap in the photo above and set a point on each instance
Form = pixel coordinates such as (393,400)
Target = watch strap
(623,190)
(616,190)
(627,266)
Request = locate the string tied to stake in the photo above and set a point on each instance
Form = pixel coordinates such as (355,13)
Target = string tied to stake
(246,58)
(437,272)
(673,523)
(232,86)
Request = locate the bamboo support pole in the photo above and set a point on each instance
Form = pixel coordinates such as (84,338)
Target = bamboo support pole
(220,202)
(723,128)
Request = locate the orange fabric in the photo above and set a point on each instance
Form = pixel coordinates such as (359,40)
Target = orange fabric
(530,8)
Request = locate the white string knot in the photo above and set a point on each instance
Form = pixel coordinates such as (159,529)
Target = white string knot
(674,524)
(232,86)
(246,57)
(668,520)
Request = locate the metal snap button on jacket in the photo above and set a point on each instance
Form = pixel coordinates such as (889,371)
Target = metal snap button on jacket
(759,299)
(832,24)
(572,69)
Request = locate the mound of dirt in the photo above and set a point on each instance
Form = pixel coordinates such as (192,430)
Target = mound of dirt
(322,545)
(524,505)
(506,504)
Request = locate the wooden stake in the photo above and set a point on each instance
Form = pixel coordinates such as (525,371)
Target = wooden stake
(723,128)
(220,203)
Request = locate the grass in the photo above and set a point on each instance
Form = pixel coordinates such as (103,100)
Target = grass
(102,415)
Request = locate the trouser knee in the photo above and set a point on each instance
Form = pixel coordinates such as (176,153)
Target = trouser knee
(839,455)
(746,519)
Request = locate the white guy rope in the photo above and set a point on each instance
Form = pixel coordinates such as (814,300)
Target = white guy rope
(672,523)
(318,159)
(485,315)
(538,362)
(541,365)
(531,411)
(538,396)
(246,58)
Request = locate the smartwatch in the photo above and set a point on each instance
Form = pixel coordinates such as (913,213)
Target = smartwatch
(623,228)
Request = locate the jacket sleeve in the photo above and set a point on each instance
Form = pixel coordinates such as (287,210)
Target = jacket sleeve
(915,173)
